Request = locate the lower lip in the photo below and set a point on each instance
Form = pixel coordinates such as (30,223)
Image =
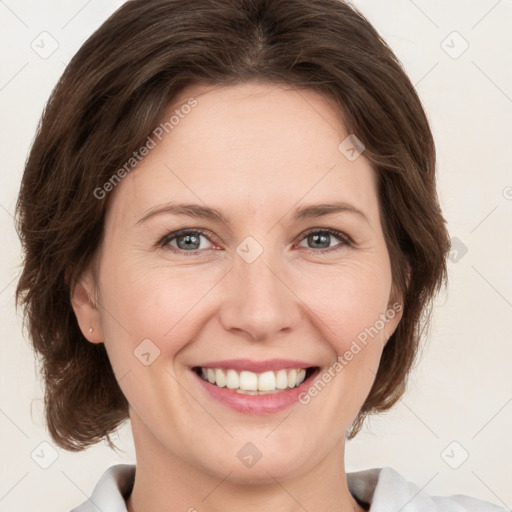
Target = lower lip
(255,404)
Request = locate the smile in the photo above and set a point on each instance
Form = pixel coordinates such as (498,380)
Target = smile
(251,383)
(255,387)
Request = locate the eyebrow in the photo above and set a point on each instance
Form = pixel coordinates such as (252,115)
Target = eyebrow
(213,214)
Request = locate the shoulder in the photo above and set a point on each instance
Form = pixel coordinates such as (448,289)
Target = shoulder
(111,490)
(385,489)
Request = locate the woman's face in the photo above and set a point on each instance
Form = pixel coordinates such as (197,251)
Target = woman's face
(261,291)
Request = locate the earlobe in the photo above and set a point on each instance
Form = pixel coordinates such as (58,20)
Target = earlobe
(395,309)
(86,311)
(394,315)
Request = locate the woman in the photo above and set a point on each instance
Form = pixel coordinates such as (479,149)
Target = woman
(232,237)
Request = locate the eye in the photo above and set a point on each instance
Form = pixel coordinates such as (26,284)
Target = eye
(321,238)
(189,240)
(186,241)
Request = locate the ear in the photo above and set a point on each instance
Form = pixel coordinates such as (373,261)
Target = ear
(395,307)
(86,309)
(394,314)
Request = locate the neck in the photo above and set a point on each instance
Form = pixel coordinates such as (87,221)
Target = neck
(166,482)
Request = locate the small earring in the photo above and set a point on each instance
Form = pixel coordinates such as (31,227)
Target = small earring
(90,329)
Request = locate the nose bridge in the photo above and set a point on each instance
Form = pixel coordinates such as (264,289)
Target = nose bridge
(258,300)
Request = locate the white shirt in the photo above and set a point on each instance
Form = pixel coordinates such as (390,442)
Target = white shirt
(383,488)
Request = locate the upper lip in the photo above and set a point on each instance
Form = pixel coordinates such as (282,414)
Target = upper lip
(256,366)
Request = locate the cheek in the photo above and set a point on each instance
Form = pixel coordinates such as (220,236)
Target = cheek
(352,305)
(150,314)
(349,300)
(154,301)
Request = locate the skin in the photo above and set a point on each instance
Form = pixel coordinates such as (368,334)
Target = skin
(255,151)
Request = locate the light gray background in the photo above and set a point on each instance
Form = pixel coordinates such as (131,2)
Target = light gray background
(461,392)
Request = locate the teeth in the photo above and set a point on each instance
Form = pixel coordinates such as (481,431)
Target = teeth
(220,378)
(281,379)
(292,378)
(267,381)
(248,381)
(232,379)
(251,383)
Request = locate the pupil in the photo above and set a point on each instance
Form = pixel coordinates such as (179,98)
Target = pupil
(189,241)
(320,238)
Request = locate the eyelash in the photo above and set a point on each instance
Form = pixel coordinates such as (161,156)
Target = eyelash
(346,241)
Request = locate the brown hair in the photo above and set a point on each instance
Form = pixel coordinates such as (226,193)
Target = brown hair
(113,94)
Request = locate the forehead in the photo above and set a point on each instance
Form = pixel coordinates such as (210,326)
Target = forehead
(252,146)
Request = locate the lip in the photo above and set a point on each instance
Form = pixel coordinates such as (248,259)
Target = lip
(251,365)
(255,404)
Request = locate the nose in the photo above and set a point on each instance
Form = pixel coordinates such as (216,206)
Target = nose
(258,299)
